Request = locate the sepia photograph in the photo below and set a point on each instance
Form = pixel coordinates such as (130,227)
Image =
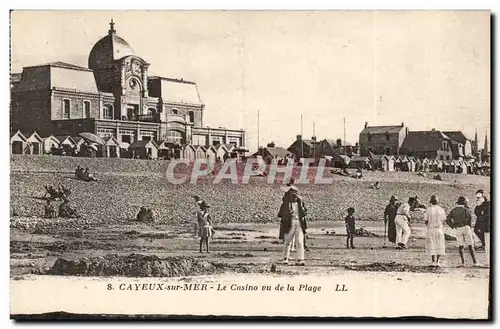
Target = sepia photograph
(250,164)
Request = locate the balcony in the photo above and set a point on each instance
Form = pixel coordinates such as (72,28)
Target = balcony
(154,118)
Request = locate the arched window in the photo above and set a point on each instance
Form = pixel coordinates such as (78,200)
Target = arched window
(175,111)
(151,110)
(107,111)
(191,116)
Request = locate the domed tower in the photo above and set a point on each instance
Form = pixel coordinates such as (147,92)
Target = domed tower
(119,71)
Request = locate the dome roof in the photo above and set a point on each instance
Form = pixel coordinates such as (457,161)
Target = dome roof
(109,49)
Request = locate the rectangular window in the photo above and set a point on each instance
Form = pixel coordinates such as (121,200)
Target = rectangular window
(191,116)
(147,135)
(105,132)
(66,108)
(369,137)
(86,109)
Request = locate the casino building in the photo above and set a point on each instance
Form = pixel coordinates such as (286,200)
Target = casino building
(114,96)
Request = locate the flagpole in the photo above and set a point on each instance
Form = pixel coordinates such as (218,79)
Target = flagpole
(314,141)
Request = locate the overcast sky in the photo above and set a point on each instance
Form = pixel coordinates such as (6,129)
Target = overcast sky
(426,69)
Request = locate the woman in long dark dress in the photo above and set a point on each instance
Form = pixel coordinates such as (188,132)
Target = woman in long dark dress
(389,216)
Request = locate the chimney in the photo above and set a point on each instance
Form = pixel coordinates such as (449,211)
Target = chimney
(313,138)
(299,138)
(366,124)
(339,142)
(406,130)
(433,129)
(402,124)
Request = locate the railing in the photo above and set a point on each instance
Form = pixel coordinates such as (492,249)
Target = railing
(144,117)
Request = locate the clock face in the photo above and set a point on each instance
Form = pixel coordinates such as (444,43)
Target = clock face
(132,83)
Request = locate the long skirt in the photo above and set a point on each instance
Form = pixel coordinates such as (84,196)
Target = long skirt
(435,245)
(391,230)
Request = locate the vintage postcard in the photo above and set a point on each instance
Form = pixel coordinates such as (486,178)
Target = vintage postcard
(250,164)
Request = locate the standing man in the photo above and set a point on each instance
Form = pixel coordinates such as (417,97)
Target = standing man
(401,220)
(460,219)
(482,212)
(482,226)
(292,215)
(389,216)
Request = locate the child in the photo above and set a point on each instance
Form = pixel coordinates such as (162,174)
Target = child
(350,224)
(204,226)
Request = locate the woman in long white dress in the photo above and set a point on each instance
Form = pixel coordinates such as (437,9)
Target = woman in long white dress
(434,218)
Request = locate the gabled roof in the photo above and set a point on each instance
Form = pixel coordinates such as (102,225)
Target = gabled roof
(277,151)
(457,136)
(20,135)
(200,147)
(110,141)
(424,140)
(382,129)
(63,138)
(142,144)
(34,137)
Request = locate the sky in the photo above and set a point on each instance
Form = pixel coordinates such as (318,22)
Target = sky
(426,69)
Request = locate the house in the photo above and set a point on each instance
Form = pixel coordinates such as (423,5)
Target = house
(221,152)
(305,148)
(276,153)
(201,152)
(382,139)
(18,143)
(35,144)
(360,162)
(79,142)
(188,152)
(431,144)
(328,147)
(466,143)
(383,162)
(67,143)
(111,147)
(144,149)
(50,144)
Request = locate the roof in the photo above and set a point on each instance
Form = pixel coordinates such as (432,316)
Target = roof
(141,144)
(62,138)
(108,49)
(62,65)
(382,129)
(456,136)
(277,151)
(424,140)
(18,133)
(175,90)
(333,142)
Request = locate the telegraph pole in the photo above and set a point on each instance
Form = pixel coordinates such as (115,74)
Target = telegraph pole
(301,139)
(345,150)
(258,132)
(314,141)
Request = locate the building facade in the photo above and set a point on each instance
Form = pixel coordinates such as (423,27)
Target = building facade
(381,139)
(433,145)
(113,97)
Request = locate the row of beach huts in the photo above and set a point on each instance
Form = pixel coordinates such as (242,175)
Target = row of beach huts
(110,147)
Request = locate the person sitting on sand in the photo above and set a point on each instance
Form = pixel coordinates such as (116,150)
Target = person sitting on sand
(359,174)
(66,211)
(438,177)
(88,176)
(417,205)
(78,172)
(50,212)
(375,185)
(205,229)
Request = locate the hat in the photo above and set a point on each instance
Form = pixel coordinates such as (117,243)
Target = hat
(411,199)
(293,188)
(480,192)
(204,204)
(394,198)
(461,200)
